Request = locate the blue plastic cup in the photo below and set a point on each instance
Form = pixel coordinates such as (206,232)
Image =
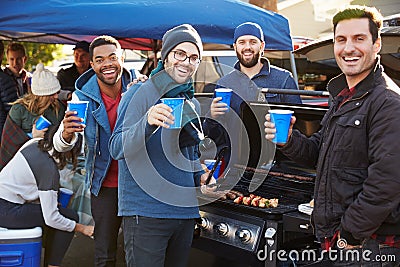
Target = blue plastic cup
(226,94)
(80,107)
(177,107)
(281,118)
(64,196)
(42,123)
(210,164)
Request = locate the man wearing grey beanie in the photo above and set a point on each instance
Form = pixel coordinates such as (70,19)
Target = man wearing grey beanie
(159,166)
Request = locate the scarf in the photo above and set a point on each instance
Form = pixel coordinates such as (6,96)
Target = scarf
(168,87)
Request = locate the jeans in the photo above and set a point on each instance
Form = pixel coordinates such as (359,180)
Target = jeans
(107,224)
(157,242)
(29,215)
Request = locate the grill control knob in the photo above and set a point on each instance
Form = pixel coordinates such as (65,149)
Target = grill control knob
(205,223)
(244,235)
(221,228)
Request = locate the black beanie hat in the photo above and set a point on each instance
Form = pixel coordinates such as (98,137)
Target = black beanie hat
(177,35)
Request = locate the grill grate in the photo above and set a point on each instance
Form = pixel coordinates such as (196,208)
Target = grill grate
(256,211)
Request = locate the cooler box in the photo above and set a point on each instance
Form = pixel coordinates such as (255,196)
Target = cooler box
(20,247)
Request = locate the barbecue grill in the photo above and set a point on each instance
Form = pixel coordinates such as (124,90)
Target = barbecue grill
(233,234)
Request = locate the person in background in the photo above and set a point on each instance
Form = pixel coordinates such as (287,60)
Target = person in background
(357,150)
(159,167)
(68,76)
(8,92)
(29,186)
(251,72)
(16,59)
(42,100)
(102,86)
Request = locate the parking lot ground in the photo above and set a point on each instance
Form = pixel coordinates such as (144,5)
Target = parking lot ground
(81,252)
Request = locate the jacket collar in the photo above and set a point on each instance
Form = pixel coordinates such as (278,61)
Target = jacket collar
(23,74)
(337,84)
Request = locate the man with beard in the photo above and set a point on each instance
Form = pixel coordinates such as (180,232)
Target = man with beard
(102,86)
(252,71)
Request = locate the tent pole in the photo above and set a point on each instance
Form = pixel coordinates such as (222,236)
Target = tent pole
(293,67)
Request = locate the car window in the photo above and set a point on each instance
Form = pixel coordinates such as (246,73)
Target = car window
(213,66)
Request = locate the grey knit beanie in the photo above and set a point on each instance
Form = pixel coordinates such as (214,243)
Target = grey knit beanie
(177,35)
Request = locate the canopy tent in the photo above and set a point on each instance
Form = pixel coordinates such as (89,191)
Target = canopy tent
(137,24)
(51,38)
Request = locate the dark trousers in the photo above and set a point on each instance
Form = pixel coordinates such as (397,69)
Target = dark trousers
(56,242)
(157,242)
(107,224)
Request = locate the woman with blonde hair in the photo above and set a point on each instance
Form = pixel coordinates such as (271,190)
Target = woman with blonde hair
(43,100)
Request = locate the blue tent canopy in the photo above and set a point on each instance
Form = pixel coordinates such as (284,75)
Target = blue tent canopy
(136,22)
